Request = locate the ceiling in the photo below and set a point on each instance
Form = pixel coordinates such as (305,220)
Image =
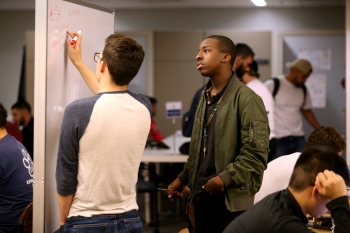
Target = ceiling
(149,4)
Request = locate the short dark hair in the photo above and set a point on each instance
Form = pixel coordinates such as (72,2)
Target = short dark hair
(153,100)
(226,45)
(314,160)
(124,57)
(326,136)
(22,105)
(253,69)
(244,50)
(3,116)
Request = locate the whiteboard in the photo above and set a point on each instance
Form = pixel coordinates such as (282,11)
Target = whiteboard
(64,83)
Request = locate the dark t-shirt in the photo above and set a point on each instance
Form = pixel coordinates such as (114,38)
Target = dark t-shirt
(16,178)
(28,137)
(206,165)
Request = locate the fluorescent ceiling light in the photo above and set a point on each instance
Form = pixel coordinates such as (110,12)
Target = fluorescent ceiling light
(259,2)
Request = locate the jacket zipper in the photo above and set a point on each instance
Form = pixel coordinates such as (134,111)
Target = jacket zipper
(252,134)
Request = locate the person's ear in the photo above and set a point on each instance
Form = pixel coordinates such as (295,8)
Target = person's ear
(103,66)
(226,58)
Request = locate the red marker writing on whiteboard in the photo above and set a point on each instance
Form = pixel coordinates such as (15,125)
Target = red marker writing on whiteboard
(74,40)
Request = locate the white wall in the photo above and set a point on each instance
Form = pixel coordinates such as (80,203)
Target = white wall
(14,24)
(13,27)
(234,18)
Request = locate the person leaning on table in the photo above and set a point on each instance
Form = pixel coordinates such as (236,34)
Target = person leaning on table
(318,184)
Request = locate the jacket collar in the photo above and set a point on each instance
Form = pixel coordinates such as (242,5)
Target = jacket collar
(209,86)
(232,87)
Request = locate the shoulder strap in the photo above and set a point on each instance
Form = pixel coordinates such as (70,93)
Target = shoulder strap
(277,86)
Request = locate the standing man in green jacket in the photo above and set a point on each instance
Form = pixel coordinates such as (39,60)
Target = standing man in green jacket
(229,143)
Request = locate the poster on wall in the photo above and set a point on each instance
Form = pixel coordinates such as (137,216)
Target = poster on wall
(316,86)
(173,109)
(319,58)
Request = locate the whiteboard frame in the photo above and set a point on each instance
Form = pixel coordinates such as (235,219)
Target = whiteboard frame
(91,5)
(39,114)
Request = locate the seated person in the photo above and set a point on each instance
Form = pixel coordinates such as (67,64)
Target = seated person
(279,171)
(318,183)
(16,177)
(155,135)
(155,132)
(14,130)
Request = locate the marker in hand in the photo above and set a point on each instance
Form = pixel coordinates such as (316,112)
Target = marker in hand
(161,189)
(74,40)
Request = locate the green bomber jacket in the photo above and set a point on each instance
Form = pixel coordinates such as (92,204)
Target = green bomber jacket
(241,145)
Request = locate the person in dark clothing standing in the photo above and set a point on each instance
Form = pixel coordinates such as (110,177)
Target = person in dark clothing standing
(318,183)
(21,115)
(229,142)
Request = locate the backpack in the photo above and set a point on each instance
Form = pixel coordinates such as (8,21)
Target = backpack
(277,86)
(188,117)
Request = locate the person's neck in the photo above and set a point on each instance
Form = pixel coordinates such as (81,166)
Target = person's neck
(302,197)
(27,119)
(289,77)
(219,81)
(115,88)
(3,133)
(108,86)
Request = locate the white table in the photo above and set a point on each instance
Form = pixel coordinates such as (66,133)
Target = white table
(171,155)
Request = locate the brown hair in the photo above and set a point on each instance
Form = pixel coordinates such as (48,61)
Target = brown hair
(326,136)
(123,56)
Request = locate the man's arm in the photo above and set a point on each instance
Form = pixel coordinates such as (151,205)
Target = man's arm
(75,56)
(310,117)
(332,186)
(340,212)
(252,159)
(64,203)
(67,161)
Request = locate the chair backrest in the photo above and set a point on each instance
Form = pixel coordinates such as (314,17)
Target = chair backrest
(26,220)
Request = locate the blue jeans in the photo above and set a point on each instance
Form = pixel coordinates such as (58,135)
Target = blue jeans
(289,145)
(121,223)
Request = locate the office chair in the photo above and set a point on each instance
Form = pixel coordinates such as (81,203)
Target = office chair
(149,186)
(25,223)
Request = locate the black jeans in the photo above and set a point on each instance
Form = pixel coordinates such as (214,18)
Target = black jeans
(289,145)
(211,214)
(272,147)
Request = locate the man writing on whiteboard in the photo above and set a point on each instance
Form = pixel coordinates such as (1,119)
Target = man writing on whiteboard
(101,142)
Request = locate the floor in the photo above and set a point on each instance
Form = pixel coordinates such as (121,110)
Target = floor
(172,217)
